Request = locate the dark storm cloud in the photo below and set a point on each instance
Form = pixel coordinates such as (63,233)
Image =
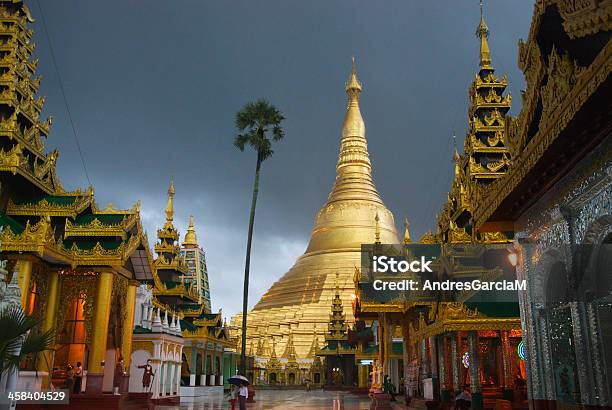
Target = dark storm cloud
(153,87)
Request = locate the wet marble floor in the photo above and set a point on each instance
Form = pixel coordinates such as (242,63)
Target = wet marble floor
(284,399)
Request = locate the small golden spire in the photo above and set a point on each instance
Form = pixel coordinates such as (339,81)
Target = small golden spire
(353,86)
(190,236)
(407,239)
(482,32)
(456,156)
(170,207)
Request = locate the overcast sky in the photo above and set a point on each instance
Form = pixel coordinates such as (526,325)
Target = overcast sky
(153,87)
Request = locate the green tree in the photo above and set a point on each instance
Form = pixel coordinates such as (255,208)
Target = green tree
(19,338)
(258,123)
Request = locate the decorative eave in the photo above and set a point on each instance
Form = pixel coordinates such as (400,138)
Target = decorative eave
(38,239)
(175,264)
(96,228)
(46,208)
(41,175)
(156,303)
(561,108)
(179,290)
(452,325)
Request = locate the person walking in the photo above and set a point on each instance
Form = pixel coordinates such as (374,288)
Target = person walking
(233,394)
(243,395)
(78,378)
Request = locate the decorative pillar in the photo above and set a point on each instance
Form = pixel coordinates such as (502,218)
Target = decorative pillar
(24,269)
(95,368)
(128,325)
(475,385)
(406,357)
(178,371)
(157,369)
(193,362)
(455,340)
(506,365)
(45,362)
(424,359)
(597,352)
(445,395)
(171,367)
(585,375)
(433,353)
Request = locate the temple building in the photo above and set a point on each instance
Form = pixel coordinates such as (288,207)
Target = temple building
(195,259)
(179,319)
(555,197)
(77,265)
(473,342)
(299,302)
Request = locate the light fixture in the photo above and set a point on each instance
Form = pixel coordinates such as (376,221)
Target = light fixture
(513,258)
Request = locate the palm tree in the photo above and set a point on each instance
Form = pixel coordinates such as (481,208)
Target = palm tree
(18,339)
(257,122)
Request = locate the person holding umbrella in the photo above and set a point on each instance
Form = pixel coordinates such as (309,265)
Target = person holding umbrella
(243,392)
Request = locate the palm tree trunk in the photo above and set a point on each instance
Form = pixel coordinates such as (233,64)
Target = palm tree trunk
(245,293)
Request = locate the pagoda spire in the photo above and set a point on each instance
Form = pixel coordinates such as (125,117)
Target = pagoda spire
(191,238)
(485,154)
(482,32)
(353,170)
(23,131)
(407,239)
(170,206)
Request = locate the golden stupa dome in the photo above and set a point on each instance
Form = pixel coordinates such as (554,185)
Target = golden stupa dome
(190,237)
(354,214)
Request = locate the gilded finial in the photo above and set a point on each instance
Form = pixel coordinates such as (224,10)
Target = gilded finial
(353,86)
(407,239)
(482,32)
(170,207)
(191,238)
(456,155)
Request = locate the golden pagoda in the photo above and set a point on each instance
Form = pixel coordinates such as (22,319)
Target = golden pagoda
(300,300)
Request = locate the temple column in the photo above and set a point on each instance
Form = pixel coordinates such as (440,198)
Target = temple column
(193,362)
(506,365)
(362,371)
(475,385)
(157,369)
(585,373)
(406,355)
(170,384)
(433,352)
(45,359)
(97,353)
(221,369)
(24,269)
(455,345)
(424,359)
(127,332)
(597,352)
(443,376)
(178,371)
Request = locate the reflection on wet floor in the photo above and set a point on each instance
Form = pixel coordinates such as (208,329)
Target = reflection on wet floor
(284,399)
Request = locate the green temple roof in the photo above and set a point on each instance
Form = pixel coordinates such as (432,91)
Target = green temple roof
(88,245)
(106,219)
(15,226)
(52,199)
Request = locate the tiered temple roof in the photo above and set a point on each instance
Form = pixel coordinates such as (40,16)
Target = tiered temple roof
(171,290)
(38,215)
(486,155)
